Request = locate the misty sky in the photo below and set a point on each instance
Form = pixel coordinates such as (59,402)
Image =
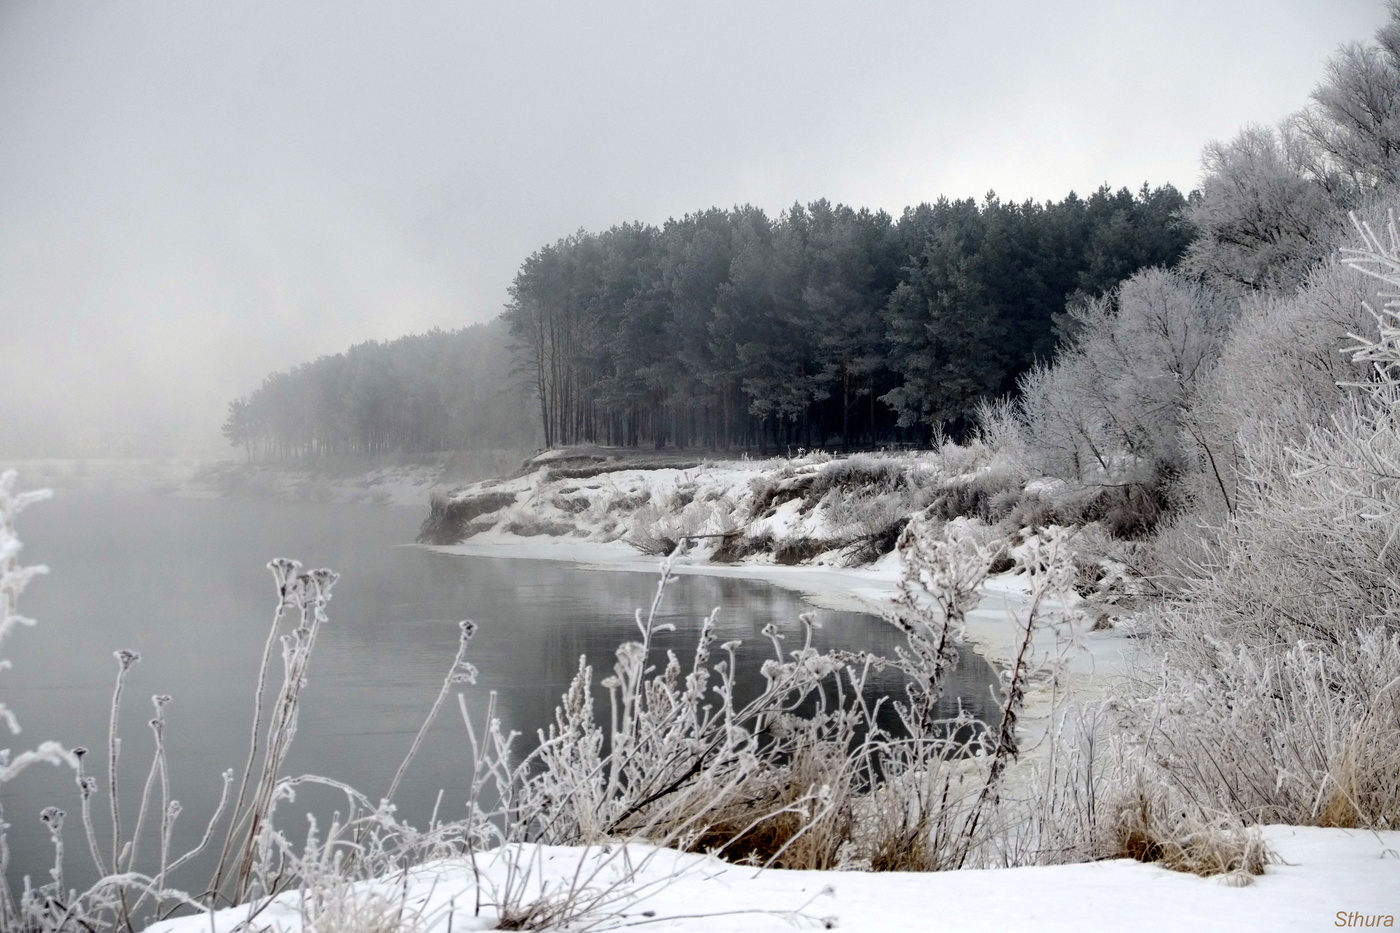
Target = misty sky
(195,194)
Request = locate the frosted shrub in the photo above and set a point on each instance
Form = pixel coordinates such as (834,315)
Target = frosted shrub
(1107,414)
(954,810)
(957,459)
(804,775)
(1303,735)
(863,515)
(657,531)
(1282,646)
(683,762)
(14,577)
(1279,369)
(867,504)
(864,473)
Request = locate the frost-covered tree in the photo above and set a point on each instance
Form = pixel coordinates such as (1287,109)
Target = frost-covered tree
(1354,120)
(1273,200)
(1279,370)
(1108,411)
(1263,219)
(1279,697)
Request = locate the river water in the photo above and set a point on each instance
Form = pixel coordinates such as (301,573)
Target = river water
(182,581)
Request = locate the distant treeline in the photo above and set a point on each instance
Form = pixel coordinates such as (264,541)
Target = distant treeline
(443,390)
(829,325)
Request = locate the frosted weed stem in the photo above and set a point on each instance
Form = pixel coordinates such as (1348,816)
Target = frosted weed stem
(281,569)
(461,673)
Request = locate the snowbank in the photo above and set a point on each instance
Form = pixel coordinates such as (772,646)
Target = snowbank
(1321,879)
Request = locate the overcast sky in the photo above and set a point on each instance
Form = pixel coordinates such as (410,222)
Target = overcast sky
(195,194)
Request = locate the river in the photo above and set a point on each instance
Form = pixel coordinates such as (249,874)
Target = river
(182,581)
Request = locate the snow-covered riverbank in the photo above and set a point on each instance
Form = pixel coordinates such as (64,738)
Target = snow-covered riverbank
(1322,879)
(1316,878)
(823,527)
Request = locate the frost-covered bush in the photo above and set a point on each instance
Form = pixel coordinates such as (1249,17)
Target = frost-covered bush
(1106,413)
(658,531)
(14,577)
(1283,734)
(959,459)
(988,494)
(1278,371)
(804,775)
(529,527)
(860,515)
(1281,640)
(866,474)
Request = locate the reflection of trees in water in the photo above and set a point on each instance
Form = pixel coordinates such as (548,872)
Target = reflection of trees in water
(581,613)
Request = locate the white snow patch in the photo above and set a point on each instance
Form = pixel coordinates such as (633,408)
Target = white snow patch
(1320,877)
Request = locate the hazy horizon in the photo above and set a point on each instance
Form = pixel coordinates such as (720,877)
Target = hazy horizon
(194,197)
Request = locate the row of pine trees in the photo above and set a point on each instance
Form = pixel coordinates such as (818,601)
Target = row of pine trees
(827,326)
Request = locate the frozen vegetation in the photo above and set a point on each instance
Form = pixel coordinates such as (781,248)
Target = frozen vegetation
(1177,542)
(678,795)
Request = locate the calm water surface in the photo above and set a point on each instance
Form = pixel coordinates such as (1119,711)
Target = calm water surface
(182,581)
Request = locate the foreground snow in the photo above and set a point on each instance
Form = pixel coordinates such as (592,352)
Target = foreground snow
(1319,878)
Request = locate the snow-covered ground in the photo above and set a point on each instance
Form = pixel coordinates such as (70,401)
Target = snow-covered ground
(1320,879)
(1317,878)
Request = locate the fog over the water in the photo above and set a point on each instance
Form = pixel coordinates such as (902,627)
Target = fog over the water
(193,195)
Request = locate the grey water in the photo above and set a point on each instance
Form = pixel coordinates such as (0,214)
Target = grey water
(183,582)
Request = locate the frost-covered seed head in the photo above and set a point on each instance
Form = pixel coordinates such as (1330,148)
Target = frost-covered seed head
(53,818)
